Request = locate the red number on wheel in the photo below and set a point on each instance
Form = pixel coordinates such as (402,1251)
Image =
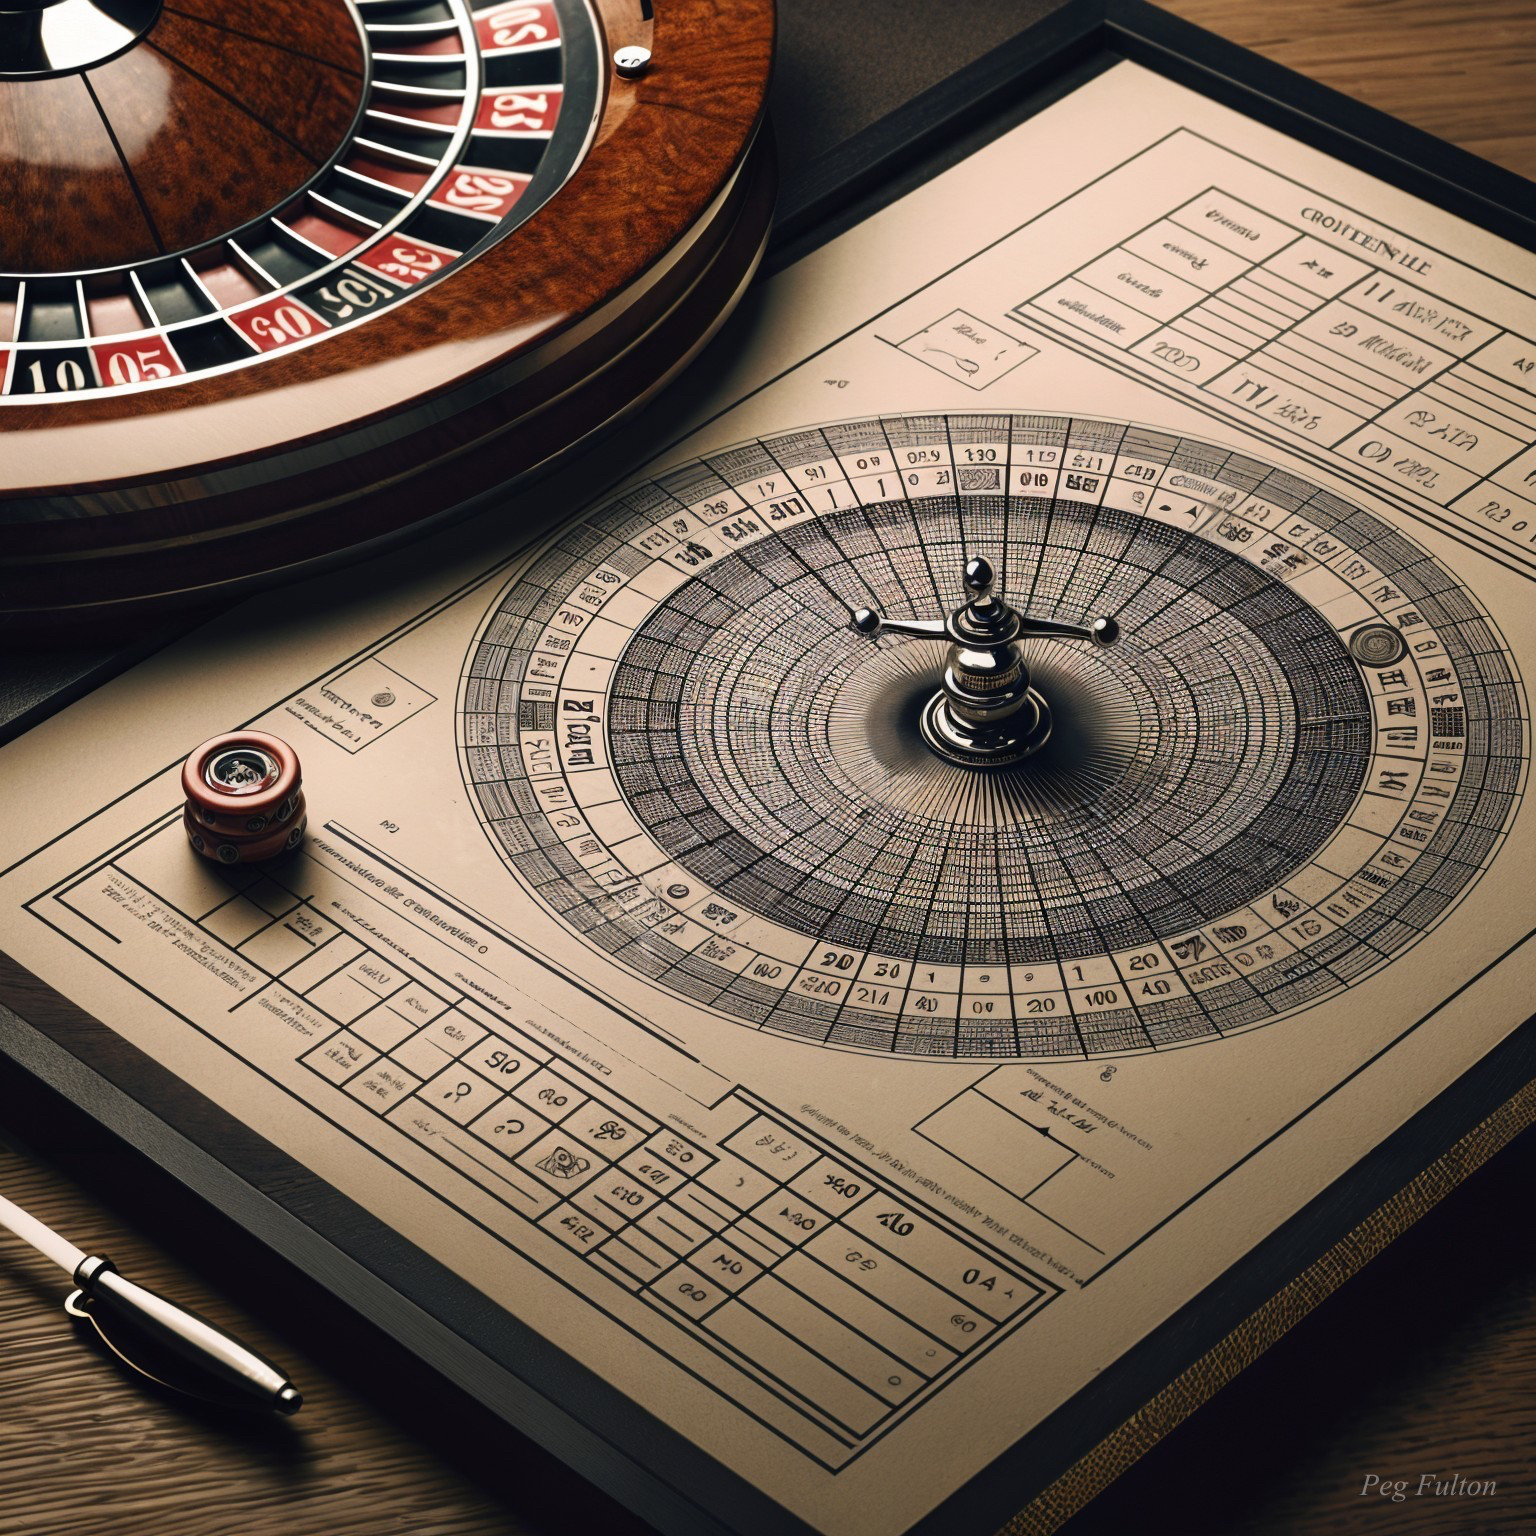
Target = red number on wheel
(279,322)
(525,111)
(491,193)
(522,24)
(408,262)
(135,362)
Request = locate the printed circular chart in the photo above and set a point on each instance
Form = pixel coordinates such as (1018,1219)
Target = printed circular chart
(1306,747)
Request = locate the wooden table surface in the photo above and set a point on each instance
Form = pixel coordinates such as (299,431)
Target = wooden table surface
(1425,1362)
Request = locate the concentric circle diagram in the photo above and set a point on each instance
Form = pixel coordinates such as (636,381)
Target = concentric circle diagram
(1305,749)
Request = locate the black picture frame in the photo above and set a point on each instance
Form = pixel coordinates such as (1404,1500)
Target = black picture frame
(1082,39)
(517,1374)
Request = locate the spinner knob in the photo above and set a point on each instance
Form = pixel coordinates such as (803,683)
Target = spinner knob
(986,714)
(245,803)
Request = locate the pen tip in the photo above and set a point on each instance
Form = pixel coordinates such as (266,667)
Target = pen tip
(288,1401)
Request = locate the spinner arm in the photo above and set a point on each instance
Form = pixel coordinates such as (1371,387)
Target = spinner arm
(986,714)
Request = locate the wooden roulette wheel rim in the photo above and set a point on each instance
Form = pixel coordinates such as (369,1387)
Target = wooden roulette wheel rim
(140,492)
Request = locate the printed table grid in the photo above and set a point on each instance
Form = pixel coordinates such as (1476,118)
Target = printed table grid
(1265,319)
(755,1249)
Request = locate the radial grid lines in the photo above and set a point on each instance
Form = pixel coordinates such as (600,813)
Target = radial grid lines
(681,747)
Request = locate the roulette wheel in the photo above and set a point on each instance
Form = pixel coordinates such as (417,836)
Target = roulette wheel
(820,734)
(281,279)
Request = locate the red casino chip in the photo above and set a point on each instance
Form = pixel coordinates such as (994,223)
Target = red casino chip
(233,782)
(251,823)
(223,849)
(244,800)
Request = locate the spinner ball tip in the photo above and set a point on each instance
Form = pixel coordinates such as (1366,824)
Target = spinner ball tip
(979,576)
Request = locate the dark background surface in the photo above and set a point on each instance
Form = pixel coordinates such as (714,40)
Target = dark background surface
(1426,1362)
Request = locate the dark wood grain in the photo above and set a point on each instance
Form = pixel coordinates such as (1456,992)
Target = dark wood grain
(206,162)
(275,80)
(187,135)
(65,198)
(1466,72)
(305,27)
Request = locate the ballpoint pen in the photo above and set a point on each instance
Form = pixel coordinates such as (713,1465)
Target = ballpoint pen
(188,1353)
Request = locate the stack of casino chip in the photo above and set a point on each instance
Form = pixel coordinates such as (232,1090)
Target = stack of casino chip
(244,802)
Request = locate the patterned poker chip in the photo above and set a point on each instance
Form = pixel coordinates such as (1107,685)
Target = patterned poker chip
(243,798)
(234,780)
(248,850)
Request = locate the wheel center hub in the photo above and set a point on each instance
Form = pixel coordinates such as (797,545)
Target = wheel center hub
(39,38)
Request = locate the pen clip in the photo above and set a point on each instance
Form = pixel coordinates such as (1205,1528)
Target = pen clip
(127,1343)
(174,1347)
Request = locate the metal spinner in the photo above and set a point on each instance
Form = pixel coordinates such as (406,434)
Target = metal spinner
(985,714)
